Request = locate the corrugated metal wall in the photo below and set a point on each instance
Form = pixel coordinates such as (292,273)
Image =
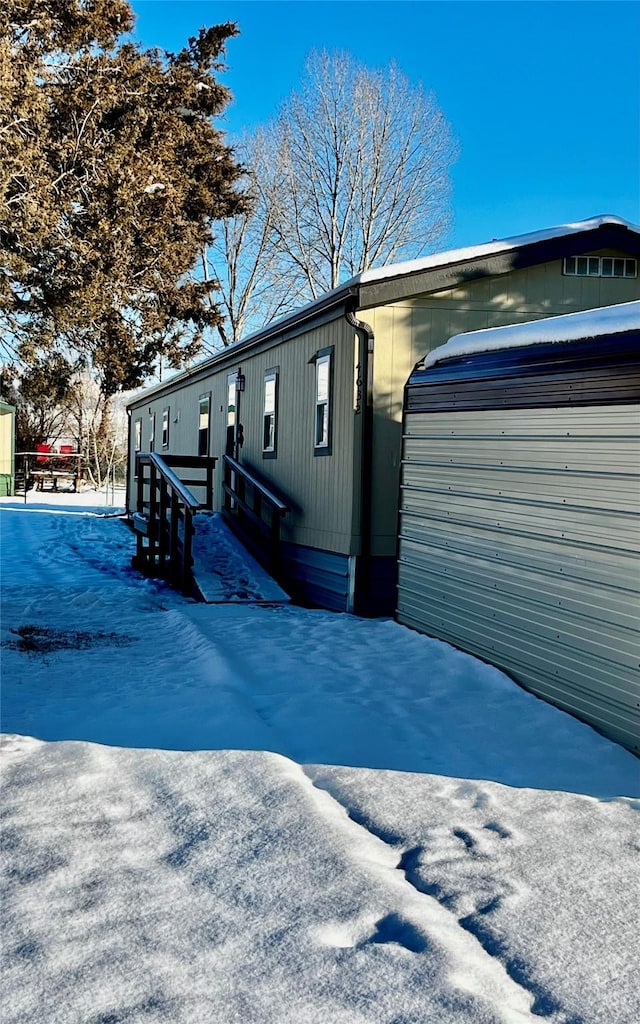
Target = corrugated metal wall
(519,542)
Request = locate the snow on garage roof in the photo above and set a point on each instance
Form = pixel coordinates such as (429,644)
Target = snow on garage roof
(592,323)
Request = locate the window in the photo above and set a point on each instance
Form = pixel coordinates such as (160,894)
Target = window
(323,361)
(270,417)
(231,400)
(152,431)
(600,266)
(137,435)
(165,427)
(231,443)
(204,419)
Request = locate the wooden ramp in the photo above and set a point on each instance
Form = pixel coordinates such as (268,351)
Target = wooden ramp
(224,571)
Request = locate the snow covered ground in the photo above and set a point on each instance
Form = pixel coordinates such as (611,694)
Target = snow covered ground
(240,813)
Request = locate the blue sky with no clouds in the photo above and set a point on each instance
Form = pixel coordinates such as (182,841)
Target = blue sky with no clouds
(544,97)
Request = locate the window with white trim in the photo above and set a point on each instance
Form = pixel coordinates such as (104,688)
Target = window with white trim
(165,427)
(204,419)
(152,431)
(600,266)
(137,435)
(232,387)
(270,414)
(324,368)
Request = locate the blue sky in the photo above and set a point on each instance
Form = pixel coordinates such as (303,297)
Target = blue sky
(544,97)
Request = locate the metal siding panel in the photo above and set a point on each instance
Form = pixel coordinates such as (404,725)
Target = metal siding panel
(588,424)
(536,674)
(529,564)
(570,626)
(557,558)
(519,483)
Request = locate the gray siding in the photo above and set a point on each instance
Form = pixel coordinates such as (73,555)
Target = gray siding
(519,543)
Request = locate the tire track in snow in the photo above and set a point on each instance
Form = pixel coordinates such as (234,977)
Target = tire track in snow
(420,920)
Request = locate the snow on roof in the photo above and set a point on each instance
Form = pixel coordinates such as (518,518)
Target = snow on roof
(440,259)
(393,270)
(449,257)
(592,323)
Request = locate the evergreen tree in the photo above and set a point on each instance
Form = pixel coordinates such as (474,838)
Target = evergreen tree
(111,174)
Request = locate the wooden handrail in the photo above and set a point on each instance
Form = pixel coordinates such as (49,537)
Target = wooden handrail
(165,508)
(272,498)
(185,495)
(254,512)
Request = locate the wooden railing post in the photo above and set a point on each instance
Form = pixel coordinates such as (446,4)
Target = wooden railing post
(140,545)
(186,547)
(275,539)
(162,524)
(173,536)
(152,539)
(209,498)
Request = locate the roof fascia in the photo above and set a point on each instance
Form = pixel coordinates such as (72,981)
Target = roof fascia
(609,236)
(306,319)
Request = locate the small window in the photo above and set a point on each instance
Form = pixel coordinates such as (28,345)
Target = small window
(152,431)
(232,381)
(322,444)
(165,427)
(231,447)
(137,435)
(607,266)
(600,266)
(270,416)
(204,420)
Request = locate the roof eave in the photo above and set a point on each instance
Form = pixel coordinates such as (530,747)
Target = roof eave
(451,275)
(295,323)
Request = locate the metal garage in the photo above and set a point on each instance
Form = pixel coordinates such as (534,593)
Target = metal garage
(519,523)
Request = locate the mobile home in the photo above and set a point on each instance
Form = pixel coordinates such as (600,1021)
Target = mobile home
(7,447)
(312,404)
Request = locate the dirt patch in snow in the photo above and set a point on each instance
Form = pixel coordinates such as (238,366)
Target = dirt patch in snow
(41,640)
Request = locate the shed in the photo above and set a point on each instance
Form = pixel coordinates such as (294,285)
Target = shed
(7,447)
(519,526)
(319,393)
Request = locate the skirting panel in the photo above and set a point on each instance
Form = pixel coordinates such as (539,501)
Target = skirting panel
(316,578)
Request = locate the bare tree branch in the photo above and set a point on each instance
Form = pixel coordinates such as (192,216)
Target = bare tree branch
(353,173)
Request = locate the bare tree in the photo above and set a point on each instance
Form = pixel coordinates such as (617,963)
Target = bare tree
(353,173)
(246,262)
(98,426)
